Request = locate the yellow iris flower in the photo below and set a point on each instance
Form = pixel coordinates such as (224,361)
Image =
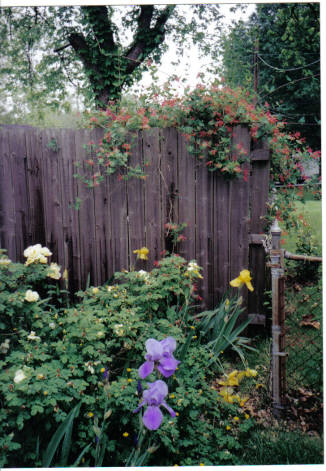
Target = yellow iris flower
(142,253)
(243,278)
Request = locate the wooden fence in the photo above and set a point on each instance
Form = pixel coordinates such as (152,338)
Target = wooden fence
(224,218)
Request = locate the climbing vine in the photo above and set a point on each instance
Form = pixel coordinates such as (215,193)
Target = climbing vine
(206,117)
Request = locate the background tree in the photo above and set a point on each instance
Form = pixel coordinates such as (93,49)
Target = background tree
(99,51)
(287,40)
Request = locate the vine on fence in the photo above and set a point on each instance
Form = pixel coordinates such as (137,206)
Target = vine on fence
(206,117)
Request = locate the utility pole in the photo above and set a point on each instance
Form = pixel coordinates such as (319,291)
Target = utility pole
(256,70)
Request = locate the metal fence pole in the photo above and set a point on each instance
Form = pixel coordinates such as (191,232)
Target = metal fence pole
(278,354)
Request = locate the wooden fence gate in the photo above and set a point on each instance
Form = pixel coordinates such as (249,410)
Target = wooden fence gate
(224,218)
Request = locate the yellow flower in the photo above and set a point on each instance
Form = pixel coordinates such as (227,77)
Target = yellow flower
(243,278)
(201,464)
(226,393)
(125,434)
(177,413)
(45,393)
(129,380)
(241,375)
(247,416)
(142,253)
(128,369)
(102,370)
(172,396)
(250,372)
(228,427)
(90,414)
(194,337)
(95,290)
(236,419)
(243,401)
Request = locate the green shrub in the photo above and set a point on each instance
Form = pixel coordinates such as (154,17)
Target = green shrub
(58,357)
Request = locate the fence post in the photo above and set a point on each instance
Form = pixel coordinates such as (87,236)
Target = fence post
(278,346)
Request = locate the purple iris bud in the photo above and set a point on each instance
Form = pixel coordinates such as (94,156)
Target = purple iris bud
(105,373)
(139,388)
(161,352)
(153,398)
(135,440)
(96,439)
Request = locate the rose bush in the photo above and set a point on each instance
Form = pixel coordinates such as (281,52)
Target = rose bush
(57,359)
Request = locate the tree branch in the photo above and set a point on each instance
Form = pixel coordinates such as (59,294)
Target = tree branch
(78,43)
(147,38)
(98,19)
(59,49)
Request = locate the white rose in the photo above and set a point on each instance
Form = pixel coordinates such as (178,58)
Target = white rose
(31,296)
(46,252)
(4,262)
(4,347)
(118,330)
(19,376)
(32,336)
(36,254)
(54,271)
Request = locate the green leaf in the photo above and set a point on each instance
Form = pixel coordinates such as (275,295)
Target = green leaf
(63,429)
(85,450)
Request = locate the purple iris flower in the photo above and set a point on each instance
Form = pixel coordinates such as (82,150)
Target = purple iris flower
(105,373)
(161,352)
(154,398)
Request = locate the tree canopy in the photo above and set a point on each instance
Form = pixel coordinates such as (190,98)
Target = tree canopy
(283,41)
(98,50)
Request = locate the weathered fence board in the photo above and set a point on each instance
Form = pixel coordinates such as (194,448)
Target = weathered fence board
(38,195)
(259,187)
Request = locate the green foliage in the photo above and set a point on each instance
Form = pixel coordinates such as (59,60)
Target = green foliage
(173,232)
(57,398)
(98,50)
(275,446)
(63,433)
(219,328)
(287,39)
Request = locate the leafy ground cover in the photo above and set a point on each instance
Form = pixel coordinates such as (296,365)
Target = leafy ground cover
(70,377)
(79,382)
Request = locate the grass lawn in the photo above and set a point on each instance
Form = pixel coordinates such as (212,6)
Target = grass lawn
(312,213)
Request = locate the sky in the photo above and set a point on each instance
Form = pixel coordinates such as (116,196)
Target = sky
(192,57)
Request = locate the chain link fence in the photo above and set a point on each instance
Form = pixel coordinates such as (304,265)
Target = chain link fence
(297,343)
(303,333)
